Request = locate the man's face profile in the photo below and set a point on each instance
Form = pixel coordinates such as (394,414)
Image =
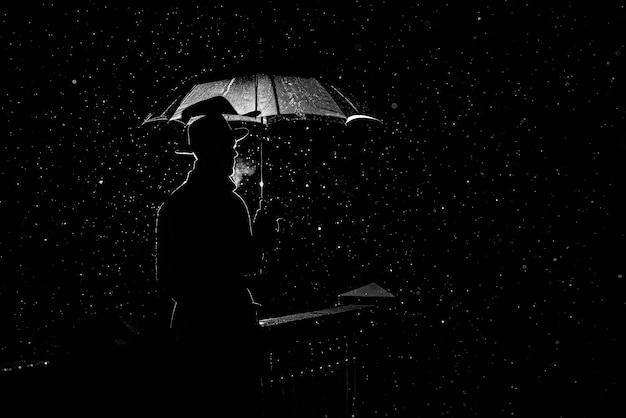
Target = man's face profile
(212,147)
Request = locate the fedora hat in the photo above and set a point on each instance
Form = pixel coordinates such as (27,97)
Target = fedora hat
(216,104)
(216,127)
(206,116)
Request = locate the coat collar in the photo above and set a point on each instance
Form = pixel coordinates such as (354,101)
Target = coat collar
(205,173)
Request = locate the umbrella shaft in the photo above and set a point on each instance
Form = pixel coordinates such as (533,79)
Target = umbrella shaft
(261,183)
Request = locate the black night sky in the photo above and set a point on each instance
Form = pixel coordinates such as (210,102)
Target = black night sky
(491,201)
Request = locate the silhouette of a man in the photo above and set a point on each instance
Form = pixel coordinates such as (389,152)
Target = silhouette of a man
(205,251)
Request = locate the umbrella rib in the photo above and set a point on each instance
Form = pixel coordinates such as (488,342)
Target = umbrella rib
(344,97)
(227,89)
(275,94)
(256,92)
(169,112)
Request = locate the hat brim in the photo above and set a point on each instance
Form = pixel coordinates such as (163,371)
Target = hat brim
(236,135)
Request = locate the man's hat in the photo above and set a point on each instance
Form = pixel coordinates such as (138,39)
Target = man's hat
(216,126)
(207,116)
(216,104)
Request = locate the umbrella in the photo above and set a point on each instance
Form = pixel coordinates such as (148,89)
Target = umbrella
(266,99)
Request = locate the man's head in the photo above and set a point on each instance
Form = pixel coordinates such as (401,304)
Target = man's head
(209,136)
(213,140)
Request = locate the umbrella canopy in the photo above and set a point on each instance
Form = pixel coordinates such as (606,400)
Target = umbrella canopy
(266,99)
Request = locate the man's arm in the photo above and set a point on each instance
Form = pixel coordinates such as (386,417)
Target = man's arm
(265,229)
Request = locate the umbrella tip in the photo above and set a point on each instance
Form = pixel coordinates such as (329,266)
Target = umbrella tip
(360,117)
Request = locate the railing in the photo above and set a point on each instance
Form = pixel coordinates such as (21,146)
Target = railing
(316,363)
(326,363)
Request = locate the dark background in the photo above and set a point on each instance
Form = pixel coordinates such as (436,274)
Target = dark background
(491,201)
